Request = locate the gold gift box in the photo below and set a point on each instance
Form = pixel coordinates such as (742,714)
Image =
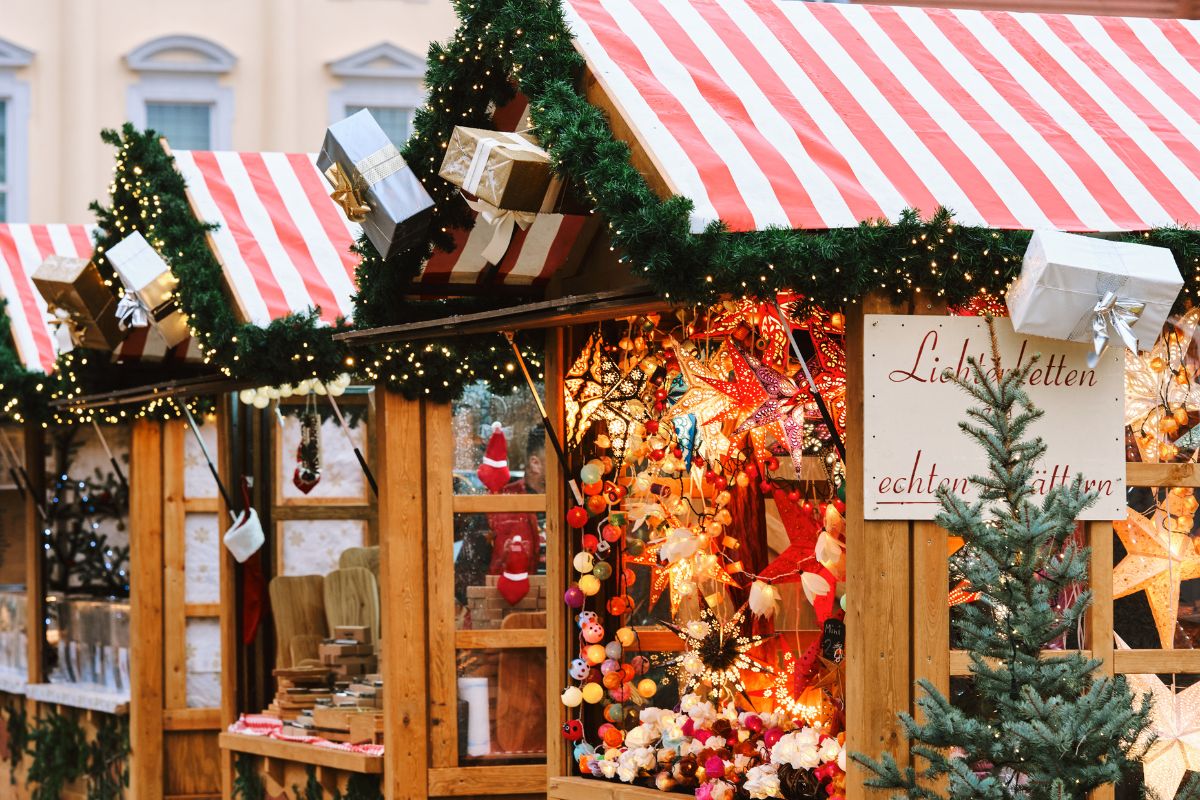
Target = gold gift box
(75,285)
(507,170)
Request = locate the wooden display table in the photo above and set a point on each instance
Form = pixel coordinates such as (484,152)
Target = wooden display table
(301,753)
(598,789)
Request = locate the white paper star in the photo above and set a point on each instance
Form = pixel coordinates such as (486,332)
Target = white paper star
(1175,721)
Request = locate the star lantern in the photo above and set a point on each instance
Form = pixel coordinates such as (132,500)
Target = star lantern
(1175,723)
(702,400)
(776,415)
(1157,561)
(752,324)
(597,389)
(682,576)
(715,652)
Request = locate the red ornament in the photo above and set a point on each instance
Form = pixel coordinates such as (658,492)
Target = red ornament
(751,471)
(721,483)
(590,542)
(612,533)
(652,426)
(572,731)
(794,496)
(657,454)
(577,517)
(766,487)
(591,489)
(596,503)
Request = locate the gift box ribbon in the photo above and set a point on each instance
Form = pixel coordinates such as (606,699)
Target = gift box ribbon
(483,151)
(503,224)
(1113,314)
(133,313)
(367,172)
(68,333)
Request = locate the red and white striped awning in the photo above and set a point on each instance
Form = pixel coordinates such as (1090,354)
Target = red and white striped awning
(22,250)
(284,245)
(810,115)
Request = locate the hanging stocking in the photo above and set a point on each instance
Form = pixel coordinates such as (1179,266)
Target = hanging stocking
(308,454)
(514,582)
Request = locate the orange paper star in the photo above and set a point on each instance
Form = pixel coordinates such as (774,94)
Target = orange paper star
(1156,562)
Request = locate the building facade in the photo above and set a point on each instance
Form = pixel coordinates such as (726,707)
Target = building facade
(265,75)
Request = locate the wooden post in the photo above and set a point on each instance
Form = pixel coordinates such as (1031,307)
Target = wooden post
(443,661)
(878,567)
(402,557)
(1099,622)
(145,614)
(557,553)
(227,583)
(35,553)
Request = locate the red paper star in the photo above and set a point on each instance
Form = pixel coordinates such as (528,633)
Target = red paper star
(744,393)
(802,531)
(777,415)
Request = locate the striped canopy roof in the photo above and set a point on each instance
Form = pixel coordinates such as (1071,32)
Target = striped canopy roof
(284,245)
(22,249)
(809,115)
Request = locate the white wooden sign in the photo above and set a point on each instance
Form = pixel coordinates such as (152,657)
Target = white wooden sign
(913,444)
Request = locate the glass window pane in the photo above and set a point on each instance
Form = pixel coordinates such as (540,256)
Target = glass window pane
(501,706)
(12,633)
(186,126)
(491,554)
(203,644)
(396,122)
(341,476)
(521,448)
(201,558)
(313,547)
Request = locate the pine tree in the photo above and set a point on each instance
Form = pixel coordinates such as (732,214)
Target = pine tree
(1048,728)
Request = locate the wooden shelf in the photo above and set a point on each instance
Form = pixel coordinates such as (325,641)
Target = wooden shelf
(1139,474)
(598,789)
(301,753)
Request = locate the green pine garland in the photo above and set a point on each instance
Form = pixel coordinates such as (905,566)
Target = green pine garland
(528,40)
(16,726)
(148,195)
(58,754)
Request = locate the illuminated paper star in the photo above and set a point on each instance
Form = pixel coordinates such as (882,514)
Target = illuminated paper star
(802,531)
(1156,562)
(715,652)
(681,576)
(1175,723)
(702,400)
(760,324)
(744,393)
(776,415)
(596,389)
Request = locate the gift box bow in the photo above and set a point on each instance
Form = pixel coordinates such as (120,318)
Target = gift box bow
(132,311)
(68,332)
(349,185)
(1115,315)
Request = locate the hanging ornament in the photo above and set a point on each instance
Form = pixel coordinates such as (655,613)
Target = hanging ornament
(715,652)
(1157,561)
(1175,724)
(493,470)
(597,389)
(308,455)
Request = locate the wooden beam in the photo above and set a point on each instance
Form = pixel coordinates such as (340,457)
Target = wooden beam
(440,506)
(318,511)
(402,556)
(191,719)
(301,753)
(174,613)
(1141,474)
(495,639)
(1127,662)
(878,565)
(477,782)
(557,552)
(931,608)
(145,612)
(227,584)
(35,553)
(498,503)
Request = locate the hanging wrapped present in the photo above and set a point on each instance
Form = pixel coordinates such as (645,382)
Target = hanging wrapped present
(149,298)
(505,170)
(373,184)
(530,254)
(82,310)
(1085,289)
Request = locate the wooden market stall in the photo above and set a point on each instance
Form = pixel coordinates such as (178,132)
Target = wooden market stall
(780,136)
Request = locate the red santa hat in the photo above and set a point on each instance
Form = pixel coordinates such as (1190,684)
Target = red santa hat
(493,472)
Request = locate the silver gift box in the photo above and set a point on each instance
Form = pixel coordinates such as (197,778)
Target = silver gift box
(399,207)
(1064,275)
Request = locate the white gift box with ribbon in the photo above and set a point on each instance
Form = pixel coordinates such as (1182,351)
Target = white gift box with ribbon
(1086,289)
(149,289)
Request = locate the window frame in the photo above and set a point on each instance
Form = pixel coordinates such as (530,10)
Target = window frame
(195,82)
(14,93)
(383,76)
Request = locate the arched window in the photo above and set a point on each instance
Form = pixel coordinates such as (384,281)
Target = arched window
(387,80)
(179,94)
(14,133)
